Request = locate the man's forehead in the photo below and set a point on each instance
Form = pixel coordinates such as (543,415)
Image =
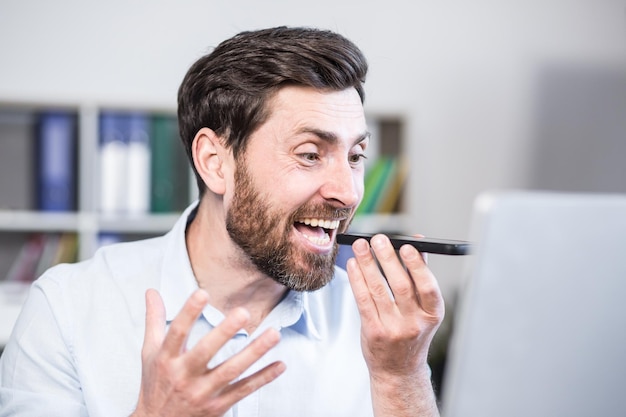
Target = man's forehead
(345,101)
(322,112)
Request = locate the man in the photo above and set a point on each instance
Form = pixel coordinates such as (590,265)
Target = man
(245,313)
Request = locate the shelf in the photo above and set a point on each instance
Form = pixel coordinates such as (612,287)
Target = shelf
(148,223)
(98,172)
(36,221)
(18,220)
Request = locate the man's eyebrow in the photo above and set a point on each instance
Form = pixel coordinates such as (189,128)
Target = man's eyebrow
(331,137)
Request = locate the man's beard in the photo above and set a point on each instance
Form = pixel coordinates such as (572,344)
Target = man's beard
(259,232)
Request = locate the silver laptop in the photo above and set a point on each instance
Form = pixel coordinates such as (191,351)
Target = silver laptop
(540,326)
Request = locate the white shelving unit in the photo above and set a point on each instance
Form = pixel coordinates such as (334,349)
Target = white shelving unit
(87,225)
(87,222)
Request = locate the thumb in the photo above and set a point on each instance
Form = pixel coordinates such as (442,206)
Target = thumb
(155,323)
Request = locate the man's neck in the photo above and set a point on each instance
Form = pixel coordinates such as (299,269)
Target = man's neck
(223,270)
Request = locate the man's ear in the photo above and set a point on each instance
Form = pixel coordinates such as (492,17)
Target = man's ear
(208,157)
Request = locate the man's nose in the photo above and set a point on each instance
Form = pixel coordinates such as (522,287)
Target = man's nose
(343,184)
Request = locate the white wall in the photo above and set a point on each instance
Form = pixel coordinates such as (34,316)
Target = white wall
(463,72)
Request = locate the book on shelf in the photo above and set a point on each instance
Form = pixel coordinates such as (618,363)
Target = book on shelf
(390,195)
(107,238)
(40,252)
(383,184)
(25,265)
(170,168)
(373,181)
(113,145)
(124,162)
(17,166)
(138,164)
(56,147)
(143,165)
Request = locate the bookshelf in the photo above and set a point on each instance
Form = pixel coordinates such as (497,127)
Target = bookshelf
(87,222)
(18,206)
(383,206)
(21,211)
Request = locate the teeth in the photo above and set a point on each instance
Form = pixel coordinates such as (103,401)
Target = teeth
(319,240)
(326,224)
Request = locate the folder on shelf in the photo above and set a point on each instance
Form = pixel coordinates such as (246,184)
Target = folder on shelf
(56,161)
(24,266)
(124,162)
(17,169)
(113,152)
(391,194)
(170,169)
(138,164)
(40,252)
(377,179)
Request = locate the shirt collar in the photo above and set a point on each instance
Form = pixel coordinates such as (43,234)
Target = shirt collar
(178,283)
(177,279)
(293,312)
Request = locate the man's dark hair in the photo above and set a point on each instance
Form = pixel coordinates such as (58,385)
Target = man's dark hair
(228,89)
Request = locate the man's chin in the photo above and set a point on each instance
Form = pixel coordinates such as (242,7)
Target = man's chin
(307,280)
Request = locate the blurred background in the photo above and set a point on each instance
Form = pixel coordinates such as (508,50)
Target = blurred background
(493,94)
(524,94)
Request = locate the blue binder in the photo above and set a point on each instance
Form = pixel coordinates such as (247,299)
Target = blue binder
(56,161)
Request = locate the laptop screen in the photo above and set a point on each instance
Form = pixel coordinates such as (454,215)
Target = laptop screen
(540,326)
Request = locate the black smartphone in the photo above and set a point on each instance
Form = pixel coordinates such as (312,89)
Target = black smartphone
(422,244)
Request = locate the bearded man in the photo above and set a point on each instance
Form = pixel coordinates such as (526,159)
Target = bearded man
(240,310)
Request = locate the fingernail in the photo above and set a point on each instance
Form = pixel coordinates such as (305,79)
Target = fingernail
(200,295)
(408,252)
(379,241)
(360,247)
(279,368)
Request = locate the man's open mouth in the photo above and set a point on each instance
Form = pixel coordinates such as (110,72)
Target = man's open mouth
(317,231)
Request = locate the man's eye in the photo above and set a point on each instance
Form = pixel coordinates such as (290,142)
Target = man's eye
(310,156)
(356,158)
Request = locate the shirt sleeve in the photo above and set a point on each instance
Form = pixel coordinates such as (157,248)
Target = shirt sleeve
(37,372)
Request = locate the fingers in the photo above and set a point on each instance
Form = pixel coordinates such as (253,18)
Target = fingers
(176,378)
(365,304)
(410,282)
(231,369)
(199,356)
(155,322)
(179,329)
(427,287)
(402,286)
(240,389)
(220,383)
(368,284)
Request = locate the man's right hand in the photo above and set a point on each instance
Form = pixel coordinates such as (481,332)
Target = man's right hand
(177,382)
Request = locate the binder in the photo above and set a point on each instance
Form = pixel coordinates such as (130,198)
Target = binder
(113,165)
(137,183)
(56,161)
(170,169)
(17,165)
(376,181)
(24,267)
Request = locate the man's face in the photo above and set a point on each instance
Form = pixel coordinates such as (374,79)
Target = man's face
(298,183)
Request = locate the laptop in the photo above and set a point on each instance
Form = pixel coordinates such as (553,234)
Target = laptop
(540,325)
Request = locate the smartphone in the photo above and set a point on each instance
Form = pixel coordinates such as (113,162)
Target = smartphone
(422,244)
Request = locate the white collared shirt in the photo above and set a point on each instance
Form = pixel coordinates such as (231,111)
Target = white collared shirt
(76,347)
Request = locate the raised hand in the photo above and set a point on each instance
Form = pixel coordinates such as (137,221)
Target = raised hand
(177,382)
(400,313)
